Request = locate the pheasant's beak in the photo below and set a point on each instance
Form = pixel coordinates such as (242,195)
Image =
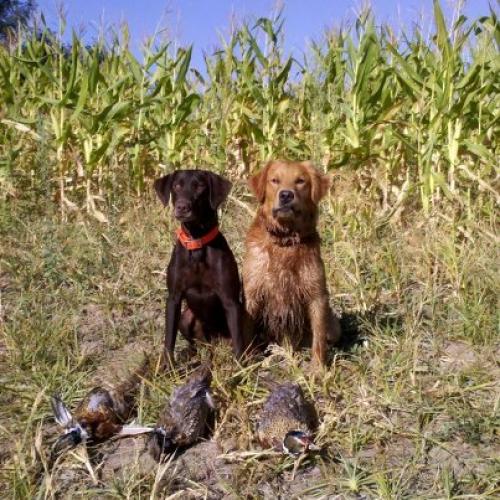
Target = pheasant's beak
(67,442)
(297,442)
(309,444)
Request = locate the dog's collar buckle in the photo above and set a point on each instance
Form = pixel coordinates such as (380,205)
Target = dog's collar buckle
(190,243)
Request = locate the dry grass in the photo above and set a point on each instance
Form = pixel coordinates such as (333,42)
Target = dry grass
(408,407)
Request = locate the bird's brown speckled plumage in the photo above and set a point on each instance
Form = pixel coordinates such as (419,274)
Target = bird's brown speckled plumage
(183,421)
(286,409)
(105,409)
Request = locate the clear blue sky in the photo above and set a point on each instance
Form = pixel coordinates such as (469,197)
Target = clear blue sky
(200,21)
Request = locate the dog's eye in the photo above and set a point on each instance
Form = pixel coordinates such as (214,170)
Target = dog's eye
(300,181)
(177,187)
(274,180)
(197,186)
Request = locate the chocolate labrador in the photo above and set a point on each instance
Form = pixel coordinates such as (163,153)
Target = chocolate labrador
(202,269)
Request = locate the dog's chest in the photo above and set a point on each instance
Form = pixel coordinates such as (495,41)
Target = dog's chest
(281,274)
(198,275)
(191,270)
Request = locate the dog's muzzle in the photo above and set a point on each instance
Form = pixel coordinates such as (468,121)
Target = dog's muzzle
(285,206)
(183,210)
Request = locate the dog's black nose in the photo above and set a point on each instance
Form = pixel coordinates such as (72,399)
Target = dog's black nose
(286,196)
(182,206)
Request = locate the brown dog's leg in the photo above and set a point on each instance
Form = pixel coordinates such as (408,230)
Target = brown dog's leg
(191,327)
(334,331)
(234,318)
(173,313)
(187,324)
(254,343)
(319,315)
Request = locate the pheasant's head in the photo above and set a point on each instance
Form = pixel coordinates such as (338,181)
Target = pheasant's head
(298,442)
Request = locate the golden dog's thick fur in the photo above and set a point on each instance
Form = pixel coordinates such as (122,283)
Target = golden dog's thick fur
(283,273)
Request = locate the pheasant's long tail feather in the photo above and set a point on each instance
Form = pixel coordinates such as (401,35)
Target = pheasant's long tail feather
(131,384)
(134,430)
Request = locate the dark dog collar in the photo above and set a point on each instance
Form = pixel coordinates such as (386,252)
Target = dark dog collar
(196,243)
(291,238)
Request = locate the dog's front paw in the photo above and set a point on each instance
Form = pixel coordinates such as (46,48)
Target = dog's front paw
(167,361)
(186,355)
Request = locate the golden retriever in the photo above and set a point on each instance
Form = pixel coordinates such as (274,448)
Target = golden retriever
(283,273)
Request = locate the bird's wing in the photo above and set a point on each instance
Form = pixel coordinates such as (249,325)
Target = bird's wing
(62,415)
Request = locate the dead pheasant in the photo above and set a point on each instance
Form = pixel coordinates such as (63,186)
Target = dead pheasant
(104,411)
(183,421)
(287,421)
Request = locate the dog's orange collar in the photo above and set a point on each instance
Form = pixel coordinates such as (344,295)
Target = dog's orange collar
(195,244)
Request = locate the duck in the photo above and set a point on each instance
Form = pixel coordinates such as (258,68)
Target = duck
(103,411)
(287,421)
(184,418)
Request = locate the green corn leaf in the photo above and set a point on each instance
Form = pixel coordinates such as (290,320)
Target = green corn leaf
(151,61)
(73,69)
(480,151)
(94,75)
(116,111)
(185,60)
(186,107)
(82,97)
(267,25)
(135,68)
(256,50)
(283,74)
(470,78)
(443,41)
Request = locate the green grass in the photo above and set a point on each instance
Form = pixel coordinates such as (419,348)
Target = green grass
(408,407)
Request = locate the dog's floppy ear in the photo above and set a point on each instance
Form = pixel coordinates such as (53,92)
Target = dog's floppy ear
(257,183)
(219,189)
(163,186)
(320,183)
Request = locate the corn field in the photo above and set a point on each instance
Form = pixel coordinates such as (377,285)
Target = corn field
(413,117)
